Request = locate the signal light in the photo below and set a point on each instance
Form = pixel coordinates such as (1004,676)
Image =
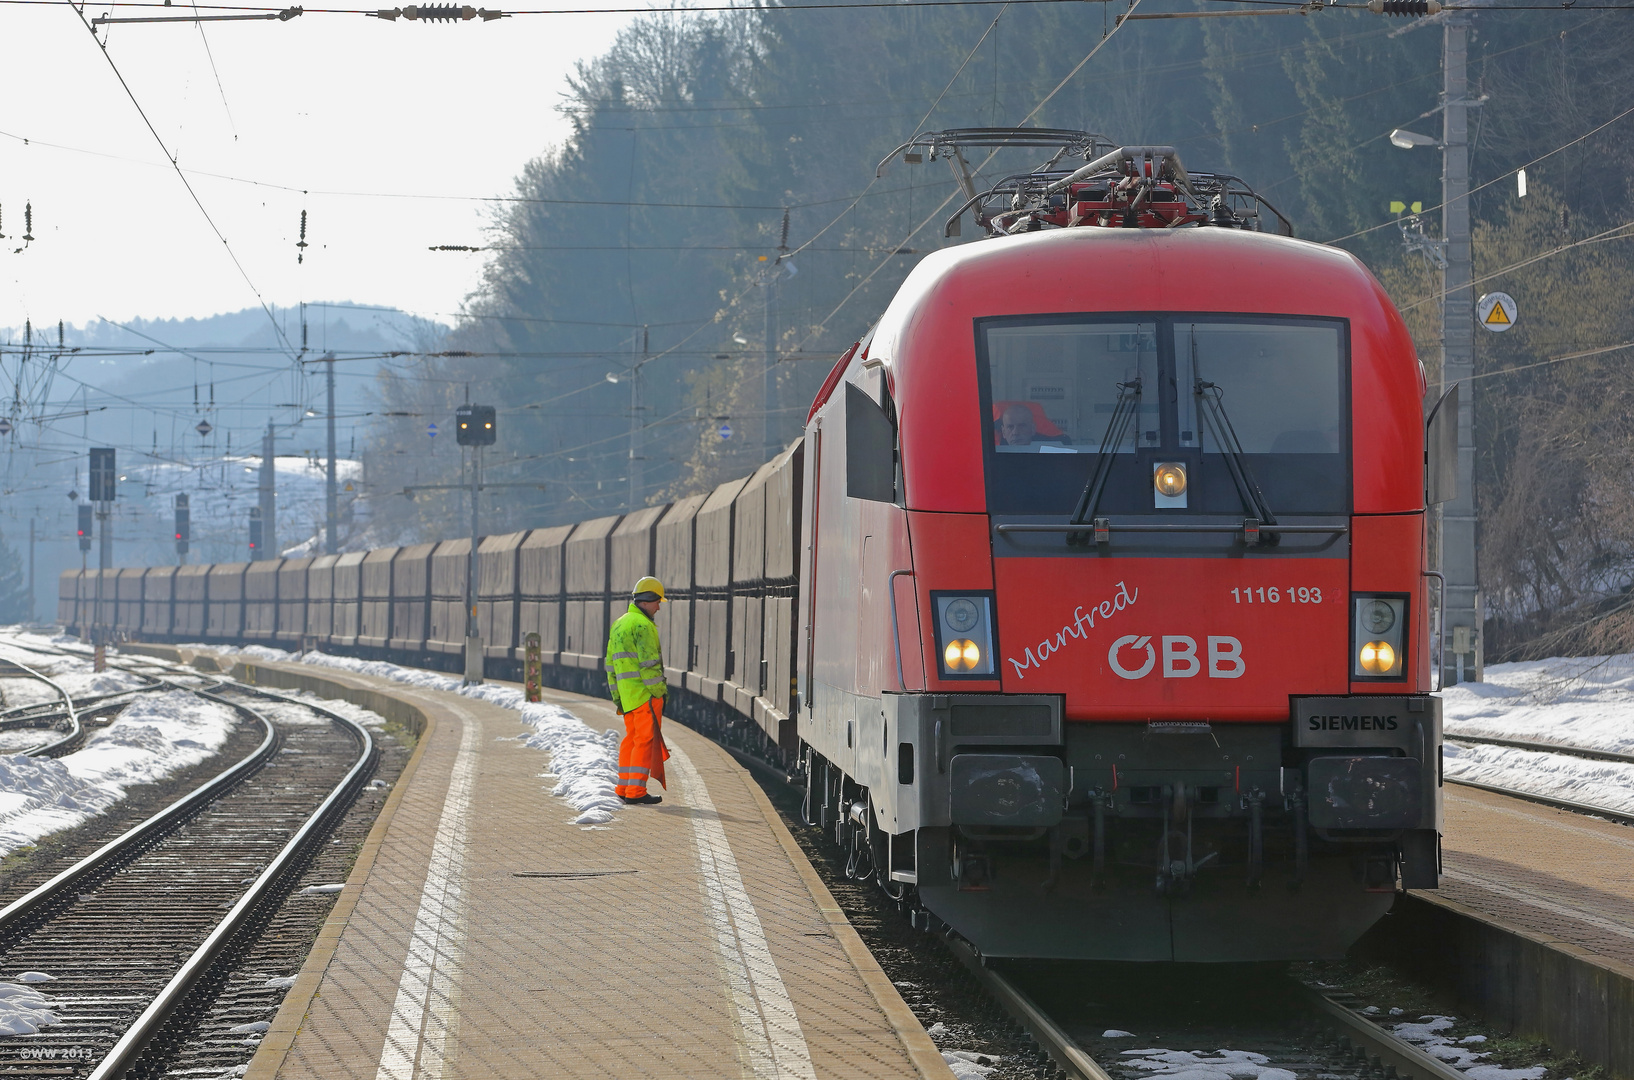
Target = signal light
(474,425)
(255,528)
(85,528)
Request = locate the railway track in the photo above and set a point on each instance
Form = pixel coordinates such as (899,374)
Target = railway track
(140,937)
(1624,816)
(1241,1022)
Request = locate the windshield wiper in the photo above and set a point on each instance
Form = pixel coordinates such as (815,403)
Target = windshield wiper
(1211,404)
(1128,405)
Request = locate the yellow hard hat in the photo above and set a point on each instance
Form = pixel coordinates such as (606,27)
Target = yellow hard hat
(648,585)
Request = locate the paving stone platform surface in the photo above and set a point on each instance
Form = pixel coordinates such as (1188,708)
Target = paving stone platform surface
(1559,874)
(486,935)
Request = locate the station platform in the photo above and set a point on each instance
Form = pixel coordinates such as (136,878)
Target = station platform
(482,933)
(1563,876)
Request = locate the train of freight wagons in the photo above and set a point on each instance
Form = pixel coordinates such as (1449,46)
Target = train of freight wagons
(1093,605)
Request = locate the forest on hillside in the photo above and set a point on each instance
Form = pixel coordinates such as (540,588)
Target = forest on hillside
(712,235)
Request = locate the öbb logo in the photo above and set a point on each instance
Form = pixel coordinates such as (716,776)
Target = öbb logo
(1180,659)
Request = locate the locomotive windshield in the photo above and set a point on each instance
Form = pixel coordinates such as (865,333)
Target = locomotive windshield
(1052,386)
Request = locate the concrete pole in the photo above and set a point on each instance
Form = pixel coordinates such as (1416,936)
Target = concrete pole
(268,492)
(100,636)
(473,635)
(635,429)
(331,497)
(33,601)
(1458,527)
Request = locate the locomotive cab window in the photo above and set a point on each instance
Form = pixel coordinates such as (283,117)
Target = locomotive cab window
(1180,404)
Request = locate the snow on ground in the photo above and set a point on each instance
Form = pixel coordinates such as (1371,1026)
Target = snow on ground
(152,738)
(1586,702)
(1198,1065)
(1426,1035)
(584,764)
(1607,784)
(24,1010)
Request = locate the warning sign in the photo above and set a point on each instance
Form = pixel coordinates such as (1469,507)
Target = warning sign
(1497,311)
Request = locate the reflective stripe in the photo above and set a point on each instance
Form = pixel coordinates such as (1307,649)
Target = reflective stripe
(634,770)
(629,675)
(650,663)
(653,682)
(621,656)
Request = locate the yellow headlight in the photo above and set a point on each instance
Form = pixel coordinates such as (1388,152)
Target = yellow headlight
(1170,479)
(1378,658)
(962,655)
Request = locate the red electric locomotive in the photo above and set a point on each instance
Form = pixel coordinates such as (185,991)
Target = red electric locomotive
(1114,634)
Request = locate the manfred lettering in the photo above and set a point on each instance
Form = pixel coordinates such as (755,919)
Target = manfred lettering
(1083,621)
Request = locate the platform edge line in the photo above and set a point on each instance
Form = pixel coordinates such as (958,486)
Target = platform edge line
(275,1046)
(922,1052)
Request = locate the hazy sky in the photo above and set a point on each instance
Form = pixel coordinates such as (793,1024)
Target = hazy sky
(345,108)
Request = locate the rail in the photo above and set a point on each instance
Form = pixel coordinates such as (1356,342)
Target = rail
(19,910)
(1383,1049)
(1624,816)
(136,1037)
(1390,1051)
(1057,1043)
(75,729)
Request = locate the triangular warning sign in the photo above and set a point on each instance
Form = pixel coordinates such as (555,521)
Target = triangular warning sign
(1498,316)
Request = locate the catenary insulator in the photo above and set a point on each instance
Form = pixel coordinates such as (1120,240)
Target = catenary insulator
(1404,7)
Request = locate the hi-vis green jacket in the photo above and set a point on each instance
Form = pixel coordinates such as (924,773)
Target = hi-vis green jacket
(635,665)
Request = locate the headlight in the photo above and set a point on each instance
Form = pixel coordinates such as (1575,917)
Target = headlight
(962,655)
(1170,479)
(1169,485)
(1378,635)
(964,634)
(1377,658)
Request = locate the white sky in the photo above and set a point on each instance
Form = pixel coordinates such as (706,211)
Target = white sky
(326,103)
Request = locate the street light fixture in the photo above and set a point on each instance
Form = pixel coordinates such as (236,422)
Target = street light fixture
(1406,140)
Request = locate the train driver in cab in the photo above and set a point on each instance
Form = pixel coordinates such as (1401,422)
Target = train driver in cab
(1022,427)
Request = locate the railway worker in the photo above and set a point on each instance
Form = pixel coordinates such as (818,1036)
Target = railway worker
(635,679)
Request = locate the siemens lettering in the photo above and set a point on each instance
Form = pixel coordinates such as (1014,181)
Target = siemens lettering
(1353,723)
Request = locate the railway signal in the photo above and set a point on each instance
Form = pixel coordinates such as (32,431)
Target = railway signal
(85,527)
(474,425)
(255,530)
(103,475)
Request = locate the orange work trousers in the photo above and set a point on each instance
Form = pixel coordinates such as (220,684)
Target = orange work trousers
(642,752)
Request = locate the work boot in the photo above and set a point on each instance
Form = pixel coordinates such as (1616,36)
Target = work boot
(644,800)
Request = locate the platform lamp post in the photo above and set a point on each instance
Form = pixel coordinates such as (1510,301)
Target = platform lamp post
(104,478)
(473,427)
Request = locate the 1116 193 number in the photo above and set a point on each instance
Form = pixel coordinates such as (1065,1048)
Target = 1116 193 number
(1293,594)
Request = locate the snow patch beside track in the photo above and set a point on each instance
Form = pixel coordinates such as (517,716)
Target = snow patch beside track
(152,738)
(583,763)
(1585,702)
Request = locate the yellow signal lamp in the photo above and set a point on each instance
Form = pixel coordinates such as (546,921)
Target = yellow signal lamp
(1378,658)
(1169,478)
(962,655)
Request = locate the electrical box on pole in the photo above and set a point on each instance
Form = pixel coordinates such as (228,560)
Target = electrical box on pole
(255,531)
(87,526)
(184,525)
(474,425)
